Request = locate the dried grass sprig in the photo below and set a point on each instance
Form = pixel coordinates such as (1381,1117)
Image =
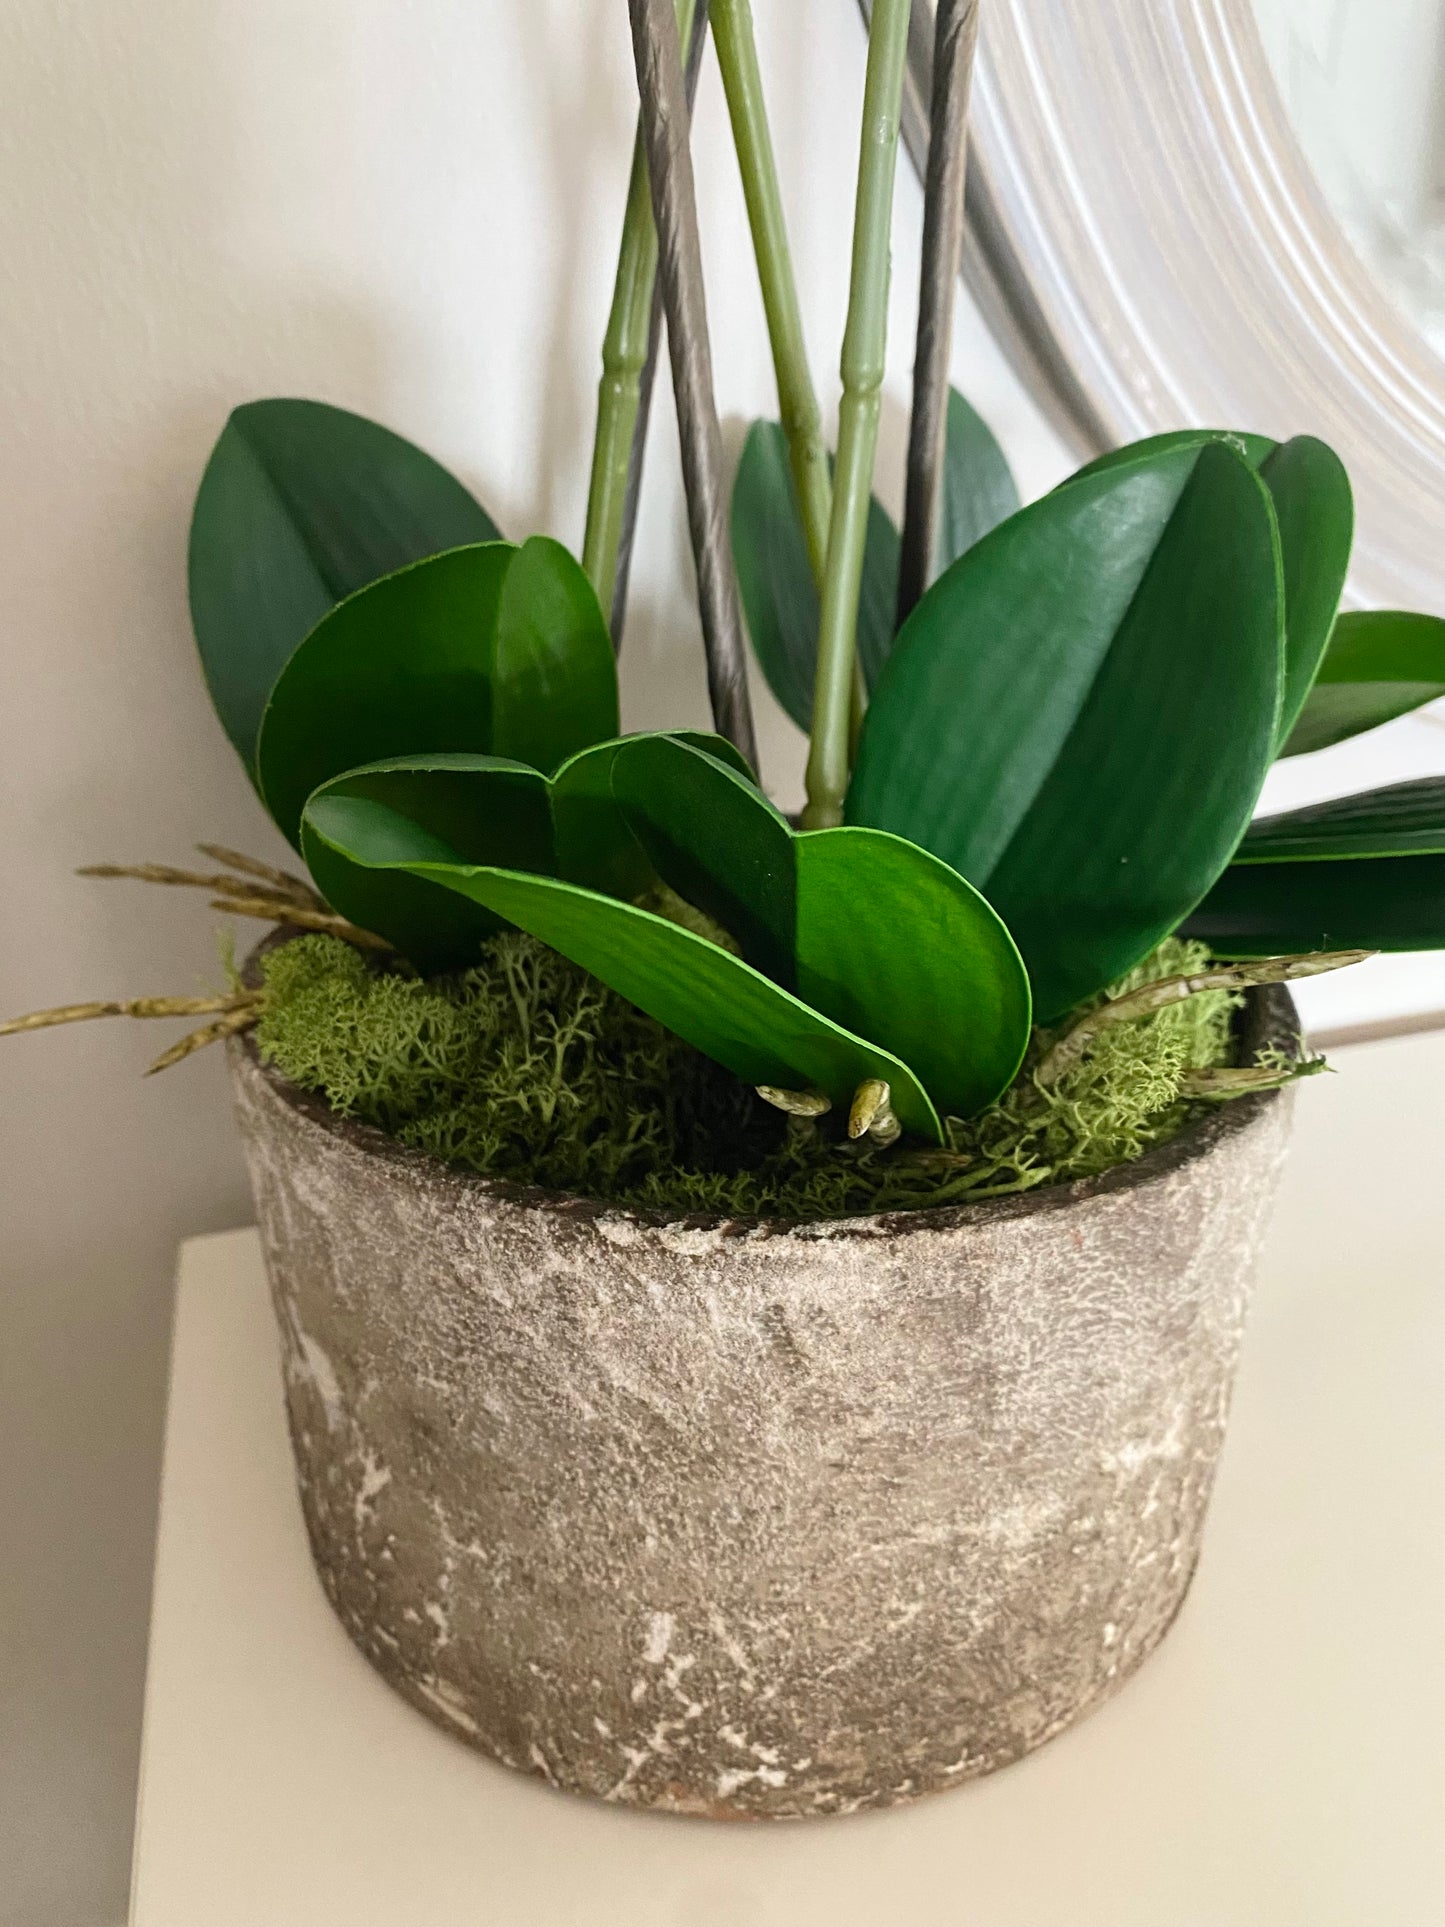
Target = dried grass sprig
(1069,1048)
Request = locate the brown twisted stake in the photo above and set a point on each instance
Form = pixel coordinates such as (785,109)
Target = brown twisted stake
(697,40)
(665,130)
(955,37)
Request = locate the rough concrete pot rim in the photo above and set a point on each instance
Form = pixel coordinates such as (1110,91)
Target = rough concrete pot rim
(1268,1017)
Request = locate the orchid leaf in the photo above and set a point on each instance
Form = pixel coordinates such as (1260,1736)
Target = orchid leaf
(1274,909)
(979,490)
(1365,871)
(708,996)
(874,939)
(1404,819)
(1310,492)
(775,578)
(1080,713)
(1380,664)
(491,649)
(779,597)
(300,506)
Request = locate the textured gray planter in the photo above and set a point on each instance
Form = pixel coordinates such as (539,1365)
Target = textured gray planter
(746,1519)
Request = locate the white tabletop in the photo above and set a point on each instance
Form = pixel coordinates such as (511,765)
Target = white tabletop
(1279,1763)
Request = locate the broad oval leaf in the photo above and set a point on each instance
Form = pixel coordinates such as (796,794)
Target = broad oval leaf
(1316,515)
(1079,714)
(1314,509)
(1380,664)
(491,649)
(775,578)
(979,490)
(872,934)
(878,934)
(780,599)
(301,505)
(889,934)
(481,809)
(714,1000)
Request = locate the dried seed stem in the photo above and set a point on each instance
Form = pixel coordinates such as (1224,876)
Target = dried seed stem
(280,910)
(1242,1080)
(665,127)
(232,1004)
(282,881)
(227,1026)
(1172,990)
(279,884)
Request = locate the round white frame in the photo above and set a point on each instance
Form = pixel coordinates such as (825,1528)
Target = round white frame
(1149,245)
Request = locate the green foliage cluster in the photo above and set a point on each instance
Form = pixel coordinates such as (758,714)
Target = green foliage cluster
(1020,783)
(524,1067)
(1056,768)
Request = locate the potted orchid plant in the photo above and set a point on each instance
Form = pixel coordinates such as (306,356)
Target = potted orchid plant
(759,1297)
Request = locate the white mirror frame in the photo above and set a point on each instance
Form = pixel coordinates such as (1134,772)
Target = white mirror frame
(1212,286)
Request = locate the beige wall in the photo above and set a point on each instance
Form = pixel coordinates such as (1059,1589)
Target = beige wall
(410,210)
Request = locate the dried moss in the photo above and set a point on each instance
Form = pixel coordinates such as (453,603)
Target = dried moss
(527,1068)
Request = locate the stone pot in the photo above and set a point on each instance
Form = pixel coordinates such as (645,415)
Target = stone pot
(751,1519)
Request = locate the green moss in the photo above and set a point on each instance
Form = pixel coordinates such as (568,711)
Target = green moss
(527,1068)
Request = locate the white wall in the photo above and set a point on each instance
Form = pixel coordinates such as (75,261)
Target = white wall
(412,211)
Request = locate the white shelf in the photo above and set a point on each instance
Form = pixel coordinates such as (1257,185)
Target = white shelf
(1279,1763)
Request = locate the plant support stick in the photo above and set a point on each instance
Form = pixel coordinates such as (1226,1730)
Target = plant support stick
(864,342)
(622,391)
(697,40)
(955,36)
(664,119)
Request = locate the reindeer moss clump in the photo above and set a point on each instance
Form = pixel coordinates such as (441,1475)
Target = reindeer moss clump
(527,1068)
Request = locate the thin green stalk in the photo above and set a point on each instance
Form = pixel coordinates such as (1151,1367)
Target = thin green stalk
(864,345)
(624,357)
(737,56)
(802,423)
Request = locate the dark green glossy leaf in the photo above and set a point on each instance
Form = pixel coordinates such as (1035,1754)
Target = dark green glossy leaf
(1364,872)
(979,490)
(1187,441)
(775,579)
(1310,492)
(778,595)
(1404,819)
(482,809)
(891,939)
(1381,663)
(1278,909)
(492,649)
(1090,756)
(890,944)
(1316,515)
(716,1001)
(300,506)
(879,935)
(717,841)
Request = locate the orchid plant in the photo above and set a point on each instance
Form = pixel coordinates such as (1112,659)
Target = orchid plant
(1038,735)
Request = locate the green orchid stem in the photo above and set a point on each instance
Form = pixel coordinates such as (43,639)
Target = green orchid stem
(624,360)
(864,345)
(802,423)
(732,31)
